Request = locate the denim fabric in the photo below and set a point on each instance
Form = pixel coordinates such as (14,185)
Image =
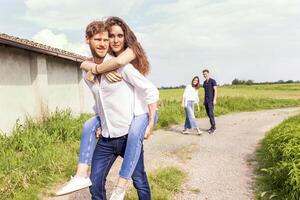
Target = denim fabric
(105,154)
(209,107)
(88,140)
(190,120)
(134,144)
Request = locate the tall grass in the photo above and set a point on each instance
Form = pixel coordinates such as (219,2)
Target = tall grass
(279,162)
(39,154)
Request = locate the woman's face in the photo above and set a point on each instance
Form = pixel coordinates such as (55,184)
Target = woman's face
(116,39)
(195,81)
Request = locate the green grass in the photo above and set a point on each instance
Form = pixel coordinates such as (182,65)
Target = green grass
(279,162)
(275,91)
(171,111)
(164,183)
(39,154)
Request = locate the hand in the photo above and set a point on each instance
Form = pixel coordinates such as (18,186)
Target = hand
(215,102)
(148,131)
(98,133)
(94,69)
(113,76)
(90,76)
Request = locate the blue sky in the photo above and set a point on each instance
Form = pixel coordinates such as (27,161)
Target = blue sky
(257,39)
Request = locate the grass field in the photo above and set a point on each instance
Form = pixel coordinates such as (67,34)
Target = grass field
(231,99)
(275,91)
(30,160)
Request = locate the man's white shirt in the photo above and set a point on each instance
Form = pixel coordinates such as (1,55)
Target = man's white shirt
(117,103)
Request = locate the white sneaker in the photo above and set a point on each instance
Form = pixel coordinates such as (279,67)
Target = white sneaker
(199,132)
(118,194)
(185,131)
(76,183)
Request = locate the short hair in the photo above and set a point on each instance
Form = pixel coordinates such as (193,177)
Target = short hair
(205,70)
(94,28)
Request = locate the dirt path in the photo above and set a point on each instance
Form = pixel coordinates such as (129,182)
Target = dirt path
(218,166)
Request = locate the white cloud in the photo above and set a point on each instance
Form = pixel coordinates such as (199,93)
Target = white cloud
(74,14)
(60,41)
(234,38)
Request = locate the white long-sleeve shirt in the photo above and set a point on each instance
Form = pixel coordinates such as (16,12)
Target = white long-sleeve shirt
(117,103)
(190,94)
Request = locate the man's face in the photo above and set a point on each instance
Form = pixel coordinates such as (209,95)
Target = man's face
(99,44)
(116,39)
(206,75)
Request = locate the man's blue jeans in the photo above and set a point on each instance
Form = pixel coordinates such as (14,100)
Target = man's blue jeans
(105,154)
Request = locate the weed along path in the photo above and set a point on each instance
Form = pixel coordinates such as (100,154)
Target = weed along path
(219,166)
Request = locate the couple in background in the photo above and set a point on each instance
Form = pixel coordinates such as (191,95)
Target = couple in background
(125,107)
(191,97)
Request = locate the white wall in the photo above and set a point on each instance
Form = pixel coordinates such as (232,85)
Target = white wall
(31,83)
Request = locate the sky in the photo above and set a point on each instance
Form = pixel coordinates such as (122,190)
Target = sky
(244,39)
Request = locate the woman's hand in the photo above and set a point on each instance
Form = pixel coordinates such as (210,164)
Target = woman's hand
(113,76)
(98,133)
(148,131)
(90,76)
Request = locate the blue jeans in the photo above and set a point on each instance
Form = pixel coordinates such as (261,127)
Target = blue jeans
(209,107)
(105,154)
(88,140)
(190,120)
(134,144)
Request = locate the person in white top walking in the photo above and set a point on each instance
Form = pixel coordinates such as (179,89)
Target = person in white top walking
(117,104)
(189,98)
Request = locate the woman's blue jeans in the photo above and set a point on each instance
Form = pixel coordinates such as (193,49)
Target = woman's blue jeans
(190,120)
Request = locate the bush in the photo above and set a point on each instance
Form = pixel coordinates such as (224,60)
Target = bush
(279,162)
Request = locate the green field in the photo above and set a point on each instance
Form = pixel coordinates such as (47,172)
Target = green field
(31,159)
(231,99)
(275,91)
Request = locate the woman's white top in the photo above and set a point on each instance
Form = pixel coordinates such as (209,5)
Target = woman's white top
(190,94)
(116,103)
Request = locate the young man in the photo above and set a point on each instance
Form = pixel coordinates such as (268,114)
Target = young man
(115,104)
(210,99)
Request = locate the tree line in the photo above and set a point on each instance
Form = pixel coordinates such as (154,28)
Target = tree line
(251,82)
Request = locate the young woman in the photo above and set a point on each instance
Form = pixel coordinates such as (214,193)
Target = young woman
(190,97)
(125,46)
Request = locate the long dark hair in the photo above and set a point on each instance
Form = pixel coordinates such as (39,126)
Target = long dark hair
(141,62)
(197,86)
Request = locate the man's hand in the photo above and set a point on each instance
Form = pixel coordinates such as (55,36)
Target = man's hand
(90,76)
(113,76)
(148,131)
(215,102)
(98,133)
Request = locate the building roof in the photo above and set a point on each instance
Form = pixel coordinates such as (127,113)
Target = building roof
(38,47)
